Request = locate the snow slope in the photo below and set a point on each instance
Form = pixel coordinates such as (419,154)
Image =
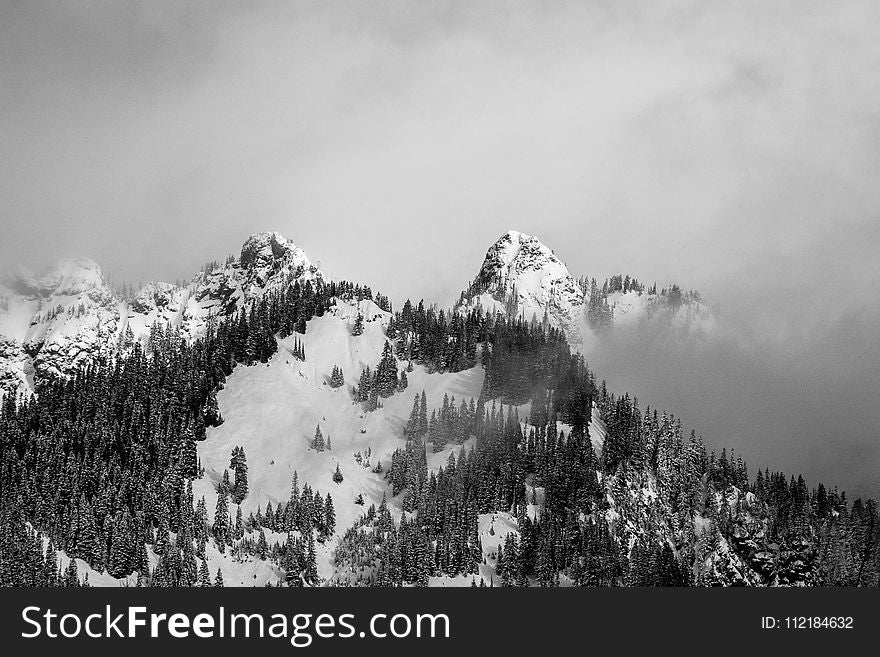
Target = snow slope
(272,409)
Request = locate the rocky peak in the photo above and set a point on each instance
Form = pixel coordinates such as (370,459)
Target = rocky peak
(264,249)
(521,276)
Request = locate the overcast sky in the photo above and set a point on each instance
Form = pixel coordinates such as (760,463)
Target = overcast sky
(732,147)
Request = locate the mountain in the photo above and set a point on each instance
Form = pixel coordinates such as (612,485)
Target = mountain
(69,316)
(323,438)
(521,277)
(52,323)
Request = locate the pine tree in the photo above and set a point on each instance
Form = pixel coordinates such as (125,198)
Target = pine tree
(329,516)
(386,372)
(412,426)
(337,476)
(310,572)
(318,441)
(262,545)
(422,429)
(240,484)
(204,574)
(358,327)
(221,521)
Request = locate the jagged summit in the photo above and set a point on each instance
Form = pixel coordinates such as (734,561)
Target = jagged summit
(521,276)
(53,322)
(261,249)
(268,259)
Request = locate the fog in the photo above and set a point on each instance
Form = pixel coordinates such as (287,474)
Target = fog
(731,147)
(807,413)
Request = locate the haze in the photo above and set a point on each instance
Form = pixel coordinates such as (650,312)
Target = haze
(732,147)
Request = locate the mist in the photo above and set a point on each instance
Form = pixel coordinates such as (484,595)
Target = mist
(807,412)
(730,147)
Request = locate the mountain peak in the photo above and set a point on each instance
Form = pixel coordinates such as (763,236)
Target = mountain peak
(522,276)
(515,253)
(262,248)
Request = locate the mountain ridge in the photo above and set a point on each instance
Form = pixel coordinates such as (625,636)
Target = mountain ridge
(68,316)
(491,429)
(54,322)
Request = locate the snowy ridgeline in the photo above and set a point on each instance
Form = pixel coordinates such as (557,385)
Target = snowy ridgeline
(309,385)
(71,315)
(521,277)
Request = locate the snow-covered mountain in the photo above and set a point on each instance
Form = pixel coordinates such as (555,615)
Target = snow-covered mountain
(271,409)
(54,322)
(520,276)
(57,321)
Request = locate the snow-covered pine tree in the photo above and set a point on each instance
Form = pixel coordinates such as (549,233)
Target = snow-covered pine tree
(238,463)
(318,441)
(337,380)
(358,328)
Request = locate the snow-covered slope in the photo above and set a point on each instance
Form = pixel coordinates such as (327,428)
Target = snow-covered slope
(520,276)
(272,410)
(632,307)
(52,323)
